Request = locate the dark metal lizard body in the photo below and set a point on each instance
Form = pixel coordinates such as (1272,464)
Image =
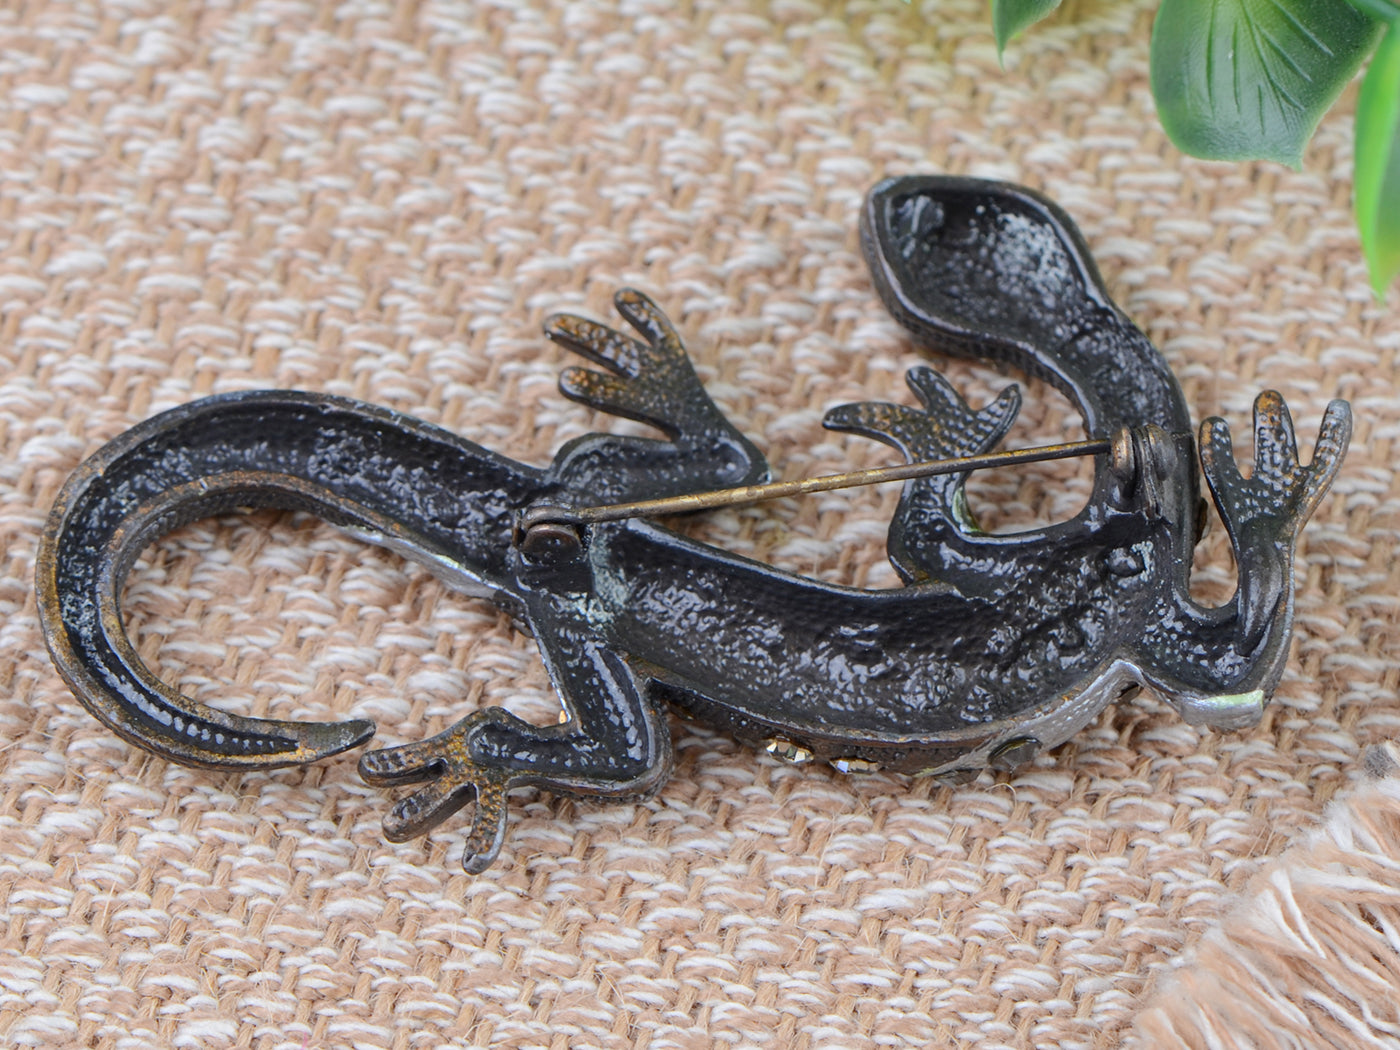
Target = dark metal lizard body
(996,647)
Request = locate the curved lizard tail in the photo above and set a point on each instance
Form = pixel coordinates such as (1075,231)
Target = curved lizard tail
(990,270)
(365,469)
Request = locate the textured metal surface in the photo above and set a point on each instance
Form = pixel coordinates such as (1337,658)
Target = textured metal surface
(998,647)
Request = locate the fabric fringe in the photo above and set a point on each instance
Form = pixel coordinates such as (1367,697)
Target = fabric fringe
(1310,957)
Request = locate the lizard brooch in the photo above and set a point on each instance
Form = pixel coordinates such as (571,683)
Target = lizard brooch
(997,646)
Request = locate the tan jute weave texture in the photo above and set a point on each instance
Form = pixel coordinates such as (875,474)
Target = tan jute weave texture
(384,200)
(1310,953)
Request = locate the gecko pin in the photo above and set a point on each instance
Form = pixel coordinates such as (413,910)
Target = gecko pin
(997,647)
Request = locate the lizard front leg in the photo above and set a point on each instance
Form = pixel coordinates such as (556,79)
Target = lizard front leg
(1218,666)
(1265,513)
(946,428)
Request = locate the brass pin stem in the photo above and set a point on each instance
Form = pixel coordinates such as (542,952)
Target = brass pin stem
(541,514)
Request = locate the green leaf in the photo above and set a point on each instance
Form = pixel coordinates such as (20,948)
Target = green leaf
(1250,79)
(1378,162)
(1009,17)
(1385,10)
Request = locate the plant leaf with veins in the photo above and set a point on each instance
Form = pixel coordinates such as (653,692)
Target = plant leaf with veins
(1378,162)
(1009,17)
(1250,79)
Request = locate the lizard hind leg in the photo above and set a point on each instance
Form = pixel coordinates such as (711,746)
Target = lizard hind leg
(650,380)
(614,744)
(945,428)
(453,779)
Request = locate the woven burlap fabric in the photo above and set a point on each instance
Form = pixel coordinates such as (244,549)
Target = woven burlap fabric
(384,201)
(1310,953)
